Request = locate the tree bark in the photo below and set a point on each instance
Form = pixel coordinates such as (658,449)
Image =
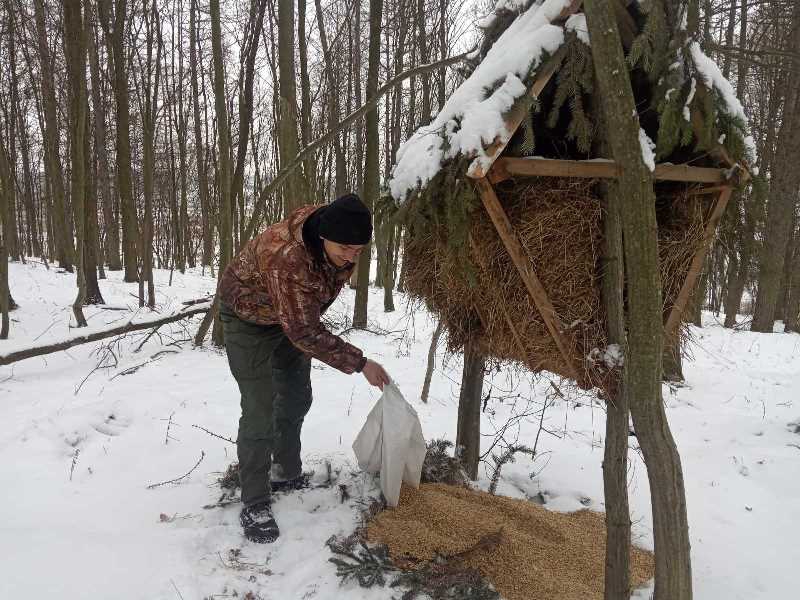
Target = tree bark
(426,386)
(333,104)
(784,185)
(371,162)
(643,360)
(309,166)
(110,224)
(151,79)
(130,229)
(223,156)
(468,432)
(54,172)
(293,190)
(75,54)
(200,164)
(5,185)
(615,456)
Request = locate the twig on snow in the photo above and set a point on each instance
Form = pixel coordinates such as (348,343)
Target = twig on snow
(211,433)
(182,477)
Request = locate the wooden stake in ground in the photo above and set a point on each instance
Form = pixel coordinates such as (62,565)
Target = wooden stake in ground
(673,578)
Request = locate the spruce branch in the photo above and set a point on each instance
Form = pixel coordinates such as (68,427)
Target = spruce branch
(368,566)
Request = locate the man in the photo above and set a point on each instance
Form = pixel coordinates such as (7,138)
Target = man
(272,297)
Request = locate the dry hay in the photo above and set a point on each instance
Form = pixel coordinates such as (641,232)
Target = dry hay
(559,224)
(541,555)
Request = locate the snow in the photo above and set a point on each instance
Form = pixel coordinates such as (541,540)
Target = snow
(102,534)
(713,78)
(648,147)
(472,116)
(687,114)
(577,23)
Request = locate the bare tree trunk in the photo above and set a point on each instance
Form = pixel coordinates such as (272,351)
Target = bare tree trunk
(388,266)
(615,457)
(225,239)
(75,51)
(5,189)
(202,177)
(371,163)
(130,229)
(309,167)
(111,226)
(33,246)
(468,432)
(673,579)
(333,103)
(784,185)
(54,172)
(293,189)
(151,78)
(422,41)
(246,99)
(426,386)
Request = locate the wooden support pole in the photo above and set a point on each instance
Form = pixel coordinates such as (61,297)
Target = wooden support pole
(674,318)
(525,269)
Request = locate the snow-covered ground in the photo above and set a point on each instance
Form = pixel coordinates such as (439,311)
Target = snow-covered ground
(79,446)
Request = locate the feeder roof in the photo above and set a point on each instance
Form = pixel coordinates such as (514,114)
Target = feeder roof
(472,118)
(473,115)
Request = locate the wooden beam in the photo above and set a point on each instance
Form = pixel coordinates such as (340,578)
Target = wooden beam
(603,169)
(525,269)
(674,318)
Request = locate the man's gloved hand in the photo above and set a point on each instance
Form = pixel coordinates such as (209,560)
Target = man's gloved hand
(375,374)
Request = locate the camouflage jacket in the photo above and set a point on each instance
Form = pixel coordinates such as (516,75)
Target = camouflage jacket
(276,279)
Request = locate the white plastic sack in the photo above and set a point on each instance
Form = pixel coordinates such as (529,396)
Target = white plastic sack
(391,442)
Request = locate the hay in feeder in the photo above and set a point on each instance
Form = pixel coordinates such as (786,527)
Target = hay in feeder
(540,555)
(478,293)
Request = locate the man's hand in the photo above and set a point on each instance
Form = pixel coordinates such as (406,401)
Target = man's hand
(375,374)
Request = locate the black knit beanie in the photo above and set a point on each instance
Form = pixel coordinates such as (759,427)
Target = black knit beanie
(346,220)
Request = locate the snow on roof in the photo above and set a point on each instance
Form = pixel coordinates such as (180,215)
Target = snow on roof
(713,78)
(473,116)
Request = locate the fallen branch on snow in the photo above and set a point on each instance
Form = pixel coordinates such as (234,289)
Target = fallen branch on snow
(12,357)
(182,477)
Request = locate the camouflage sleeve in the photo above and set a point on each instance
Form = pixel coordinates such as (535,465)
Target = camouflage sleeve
(298,312)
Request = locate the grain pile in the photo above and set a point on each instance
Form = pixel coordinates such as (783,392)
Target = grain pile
(542,555)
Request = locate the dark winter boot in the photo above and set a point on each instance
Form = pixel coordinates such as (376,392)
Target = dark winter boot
(289,485)
(258,523)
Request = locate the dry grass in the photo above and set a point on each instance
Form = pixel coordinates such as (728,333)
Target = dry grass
(559,223)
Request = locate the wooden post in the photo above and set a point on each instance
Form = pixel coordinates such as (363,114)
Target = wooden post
(674,318)
(525,269)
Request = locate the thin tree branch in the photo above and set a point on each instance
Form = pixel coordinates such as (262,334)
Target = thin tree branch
(273,185)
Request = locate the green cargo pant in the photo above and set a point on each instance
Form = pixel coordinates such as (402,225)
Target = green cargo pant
(274,379)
